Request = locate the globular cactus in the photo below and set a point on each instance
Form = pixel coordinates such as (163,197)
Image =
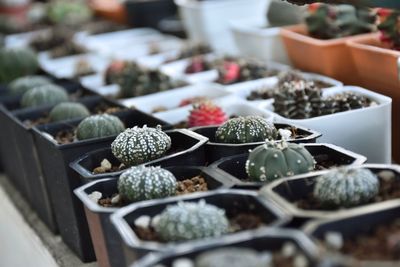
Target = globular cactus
(138,145)
(232,257)
(206,113)
(153,81)
(97,126)
(23,84)
(125,74)
(71,13)
(346,187)
(245,130)
(145,183)
(192,50)
(68,110)
(389,27)
(343,102)
(48,94)
(274,160)
(289,76)
(16,63)
(197,64)
(190,220)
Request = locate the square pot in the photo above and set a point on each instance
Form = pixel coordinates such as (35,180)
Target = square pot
(286,191)
(61,180)
(232,201)
(233,167)
(106,242)
(328,57)
(216,151)
(190,147)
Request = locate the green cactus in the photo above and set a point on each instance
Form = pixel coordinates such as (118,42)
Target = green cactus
(245,130)
(389,27)
(97,126)
(71,13)
(145,183)
(138,145)
(188,221)
(346,187)
(68,110)
(344,102)
(232,257)
(16,63)
(21,85)
(275,160)
(48,94)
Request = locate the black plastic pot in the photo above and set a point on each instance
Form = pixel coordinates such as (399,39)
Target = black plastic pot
(107,244)
(149,13)
(266,240)
(285,192)
(189,146)
(216,150)
(232,201)
(233,168)
(61,180)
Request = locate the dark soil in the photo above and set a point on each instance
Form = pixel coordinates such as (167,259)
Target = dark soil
(388,189)
(67,49)
(114,168)
(65,136)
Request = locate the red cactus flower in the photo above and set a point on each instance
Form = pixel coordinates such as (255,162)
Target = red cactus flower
(206,113)
(230,72)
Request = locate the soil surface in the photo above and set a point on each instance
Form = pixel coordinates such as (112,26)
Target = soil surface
(65,136)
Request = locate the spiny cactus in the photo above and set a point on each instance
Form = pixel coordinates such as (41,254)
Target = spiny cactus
(97,126)
(289,76)
(145,183)
(68,110)
(197,64)
(206,113)
(328,22)
(190,220)
(274,160)
(23,84)
(48,94)
(191,50)
(138,145)
(232,257)
(389,27)
(16,63)
(153,81)
(245,130)
(346,187)
(343,102)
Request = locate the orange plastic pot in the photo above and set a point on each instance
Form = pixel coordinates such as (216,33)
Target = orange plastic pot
(110,9)
(378,69)
(328,57)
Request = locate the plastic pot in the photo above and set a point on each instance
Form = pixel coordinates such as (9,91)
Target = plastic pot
(216,151)
(189,146)
(61,180)
(233,167)
(107,244)
(232,201)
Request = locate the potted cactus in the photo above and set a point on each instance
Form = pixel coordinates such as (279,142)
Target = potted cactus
(183,180)
(16,63)
(320,45)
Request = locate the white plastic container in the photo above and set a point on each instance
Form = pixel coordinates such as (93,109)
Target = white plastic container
(208,21)
(93,82)
(365,131)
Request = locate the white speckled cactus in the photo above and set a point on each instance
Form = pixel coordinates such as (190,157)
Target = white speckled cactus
(189,220)
(140,145)
(346,187)
(145,183)
(233,257)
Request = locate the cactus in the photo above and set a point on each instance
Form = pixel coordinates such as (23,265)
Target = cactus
(343,102)
(190,51)
(197,64)
(71,13)
(153,81)
(22,85)
(245,130)
(139,145)
(48,94)
(16,63)
(328,22)
(298,100)
(272,161)
(97,126)
(232,257)
(145,183)
(206,113)
(289,76)
(346,187)
(389,27)
(68,110)
(188,221)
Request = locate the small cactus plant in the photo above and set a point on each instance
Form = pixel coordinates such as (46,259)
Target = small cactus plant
(68,110)
(206,113)
(48,94)
(389,27)
(138,145)
(343,102)
(245,130)
(232,257)
(274,160)
(16,63)
(197,64)
(97,126)
(145,183)
(23,84)
(346,187)
(188,221)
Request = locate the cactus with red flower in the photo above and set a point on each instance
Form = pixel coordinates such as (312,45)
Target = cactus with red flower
(206,113)
(389,27)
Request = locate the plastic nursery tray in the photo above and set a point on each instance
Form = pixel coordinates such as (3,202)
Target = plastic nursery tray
(216,151)
(233,167)
(286,191)
(107,244)
(189,146)
(232,201)
(61,180)
(266,240)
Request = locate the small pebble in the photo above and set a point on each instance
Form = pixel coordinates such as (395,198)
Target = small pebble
(95,196)
(334,240)
(143,221)
(300,261)
(288,250)
(155,220)
(106,164)
(285,134)
(115,200)
(183,262)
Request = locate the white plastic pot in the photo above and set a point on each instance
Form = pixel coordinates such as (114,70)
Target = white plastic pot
(365,131)
(208,21)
